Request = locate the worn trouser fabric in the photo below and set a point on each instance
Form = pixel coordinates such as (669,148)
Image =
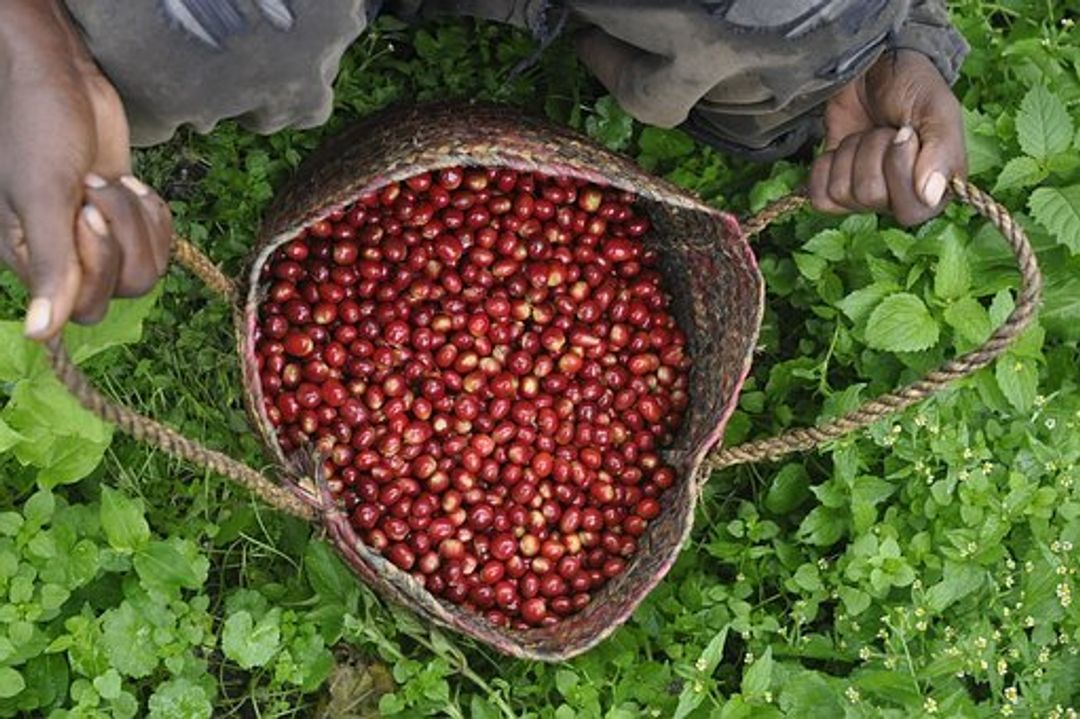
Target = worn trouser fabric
(747,76)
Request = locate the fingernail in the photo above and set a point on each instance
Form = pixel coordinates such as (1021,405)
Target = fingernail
(95,220)
(95,181)
(933,189)
(135,185)
(903,135)
(38,317)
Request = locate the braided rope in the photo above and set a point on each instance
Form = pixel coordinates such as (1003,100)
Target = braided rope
(193,259)
(811,437)
(152,432)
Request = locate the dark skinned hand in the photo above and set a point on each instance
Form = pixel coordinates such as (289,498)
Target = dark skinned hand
(893,139)
(75,226)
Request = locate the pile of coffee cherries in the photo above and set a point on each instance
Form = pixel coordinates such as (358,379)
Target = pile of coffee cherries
(484,363)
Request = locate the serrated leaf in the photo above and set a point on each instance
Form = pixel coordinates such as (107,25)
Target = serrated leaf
(858,304)
(969,319)
(123,521)
(249,644)
(1020,172)
(1058,210)
(827,244)
(953,276)
(1018,380)
(1043,125)
(983,147)
(901,323)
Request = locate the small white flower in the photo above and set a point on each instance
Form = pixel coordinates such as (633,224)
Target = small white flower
(1029,621)
(852,695)
(1011,695)
(930,705)
(1044,655)
(1002,666)
(1050,423)
(1064,594)
(865,654)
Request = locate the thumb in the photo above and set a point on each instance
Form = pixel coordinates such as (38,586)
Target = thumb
(943,153)
(48,215)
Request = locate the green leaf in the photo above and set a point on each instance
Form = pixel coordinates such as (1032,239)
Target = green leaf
(1043,125)
(953,276)
(167,566)
(757,679)
(665,144)
(565,681)
(830,245)
(8,437)
(1060,312)
(1020,172)
(122,325)
(1019,381)
(127,638)
(790,488)
(11,682)
(859,304)
(610,124)
(123,521)
(108,684)
(249,644)
(61,438)
(969,319)
(855,601)
(180,699)
(1058,210)
(329,576)
(901,323)
(19,357)
(983,147)
(959,580)
(39,509)
(714,651)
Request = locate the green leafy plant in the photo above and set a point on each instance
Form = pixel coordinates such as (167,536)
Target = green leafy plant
(923,568)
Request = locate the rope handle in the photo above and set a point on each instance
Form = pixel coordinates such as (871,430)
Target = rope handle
(150,431)
(799,440)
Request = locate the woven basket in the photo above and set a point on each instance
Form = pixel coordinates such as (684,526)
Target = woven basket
(717,293)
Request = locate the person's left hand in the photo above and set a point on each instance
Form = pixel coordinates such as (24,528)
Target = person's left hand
(894,138)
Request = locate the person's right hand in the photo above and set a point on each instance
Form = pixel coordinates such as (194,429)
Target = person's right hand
(75,225)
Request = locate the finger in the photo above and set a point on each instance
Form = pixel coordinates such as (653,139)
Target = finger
(100,257)
(819,186)
(943,155)
(868,172)
(48,208)
(14,255)
(904,202)
(840,175)
(128,227)
(158,219)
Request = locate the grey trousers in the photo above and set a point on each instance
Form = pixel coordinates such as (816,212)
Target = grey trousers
(748,76)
